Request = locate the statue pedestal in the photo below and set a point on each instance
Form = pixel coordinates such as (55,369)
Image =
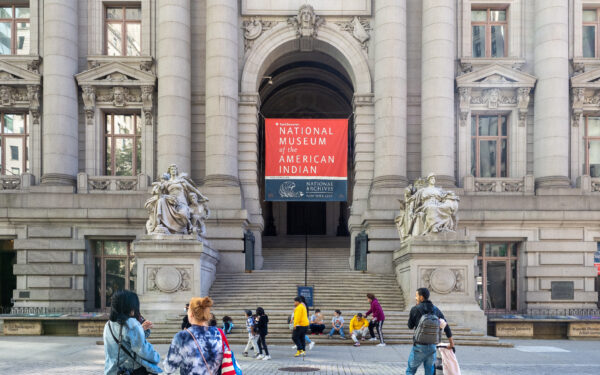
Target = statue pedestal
(445,264)
(171,269)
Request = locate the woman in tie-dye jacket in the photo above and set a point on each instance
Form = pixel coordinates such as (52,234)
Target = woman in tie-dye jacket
(199,349)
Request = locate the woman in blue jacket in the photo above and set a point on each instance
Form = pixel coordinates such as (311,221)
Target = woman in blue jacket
(136,354)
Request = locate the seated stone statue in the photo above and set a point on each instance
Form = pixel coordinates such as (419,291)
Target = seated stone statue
(427,209)
(175,205)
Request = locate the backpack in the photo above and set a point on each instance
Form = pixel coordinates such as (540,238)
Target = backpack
(428,330)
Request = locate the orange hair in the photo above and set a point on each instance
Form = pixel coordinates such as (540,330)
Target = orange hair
(200,308)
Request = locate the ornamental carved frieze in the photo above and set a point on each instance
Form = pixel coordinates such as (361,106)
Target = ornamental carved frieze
(493,98)
(443,280)
(169,279)
(306,22)
(253,29)
(359,28)
(120,96)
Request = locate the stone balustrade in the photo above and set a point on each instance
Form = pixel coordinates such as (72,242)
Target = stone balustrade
(588,184)
(18,182)
(485,186)
(111,184)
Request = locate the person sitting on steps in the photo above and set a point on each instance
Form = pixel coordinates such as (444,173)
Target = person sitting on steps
(359,327)
(337,325)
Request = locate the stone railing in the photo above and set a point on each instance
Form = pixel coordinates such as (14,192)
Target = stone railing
(19,182)
(490,186)
(111,184)
(588,184)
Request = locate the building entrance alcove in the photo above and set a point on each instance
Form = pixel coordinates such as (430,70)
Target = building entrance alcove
(305,85)
(8,280)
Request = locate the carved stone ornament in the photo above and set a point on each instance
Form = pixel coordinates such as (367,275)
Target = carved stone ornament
(465,104)
(147,103)
(33,95)
(89,102)
(359,28)
(523,104)
(426,209)
(253,29)
(169,279)
(177,206)
(492,98)
(443,280)
(306,22)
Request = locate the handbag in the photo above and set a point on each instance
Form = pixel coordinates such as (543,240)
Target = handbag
(121,371)
(229,365)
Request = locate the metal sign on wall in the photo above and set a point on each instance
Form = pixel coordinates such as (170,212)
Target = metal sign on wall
(306,160)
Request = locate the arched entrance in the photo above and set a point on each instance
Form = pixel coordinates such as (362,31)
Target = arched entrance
(284,76)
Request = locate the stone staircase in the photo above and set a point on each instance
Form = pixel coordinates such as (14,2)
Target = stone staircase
(335,287)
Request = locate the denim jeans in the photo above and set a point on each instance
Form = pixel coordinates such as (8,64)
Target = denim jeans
(424,354)
(333,331)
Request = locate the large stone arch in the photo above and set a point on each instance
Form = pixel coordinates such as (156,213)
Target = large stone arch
(273,44)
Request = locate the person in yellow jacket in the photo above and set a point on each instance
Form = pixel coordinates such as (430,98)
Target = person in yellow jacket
(359,327)
(300,326)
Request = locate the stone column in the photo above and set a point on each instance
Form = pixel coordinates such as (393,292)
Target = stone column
(551,110)
(390,93)
(222,92)
(60,116)
(174,84)
(437,91)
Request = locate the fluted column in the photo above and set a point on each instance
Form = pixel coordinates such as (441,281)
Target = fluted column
(437,92)
(60,115)
(551,110)
(390,93)
(174,85)
(222,30)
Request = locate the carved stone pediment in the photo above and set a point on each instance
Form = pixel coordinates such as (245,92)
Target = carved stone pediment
(589,79)
(13,75)
(495,87)
(115,73)
(496,76)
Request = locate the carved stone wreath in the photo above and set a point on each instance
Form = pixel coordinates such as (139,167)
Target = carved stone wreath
(443,280)
(169,279)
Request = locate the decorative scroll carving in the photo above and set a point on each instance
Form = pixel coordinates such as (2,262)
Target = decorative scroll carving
(492,98)
(147,103)
(359,28)
(595,185)
(6,95)
(578,98)
(10,182)
(523,104)
(253,29)
(169,279)
(306,22)
(126,185)
(465,104)
(89,103)
(33,95)
(513,186)
(99,184)
(485,185)
(426,209)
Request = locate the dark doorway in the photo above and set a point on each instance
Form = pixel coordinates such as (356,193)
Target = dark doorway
(306,216)
(8,281)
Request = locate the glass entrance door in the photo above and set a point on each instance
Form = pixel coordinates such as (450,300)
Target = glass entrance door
(114,267)
(497,279)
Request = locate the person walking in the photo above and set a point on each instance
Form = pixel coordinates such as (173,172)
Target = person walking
(252,336)
(262,325)
(300,326)
(359,327)
(378,319)
(125,344)
(425,317)
(197,350)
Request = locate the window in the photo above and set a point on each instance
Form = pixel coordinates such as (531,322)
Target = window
(591,146)
(114,269)
(489,145)
(590,32)
(123,27)
(489,27)
(497,265)
(14,30)
(14,143)
(123,145)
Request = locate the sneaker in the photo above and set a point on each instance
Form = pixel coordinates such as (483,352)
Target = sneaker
(342,338)
(372,339)
(302,353)
(311,345)
(357,344)
(294,347)
(266,358)
(260,356)
(382,344)
(245,354)
(298,353)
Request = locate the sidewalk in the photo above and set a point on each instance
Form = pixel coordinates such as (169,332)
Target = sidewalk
(37,355)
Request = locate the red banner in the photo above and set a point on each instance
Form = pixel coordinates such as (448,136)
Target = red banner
(311,154)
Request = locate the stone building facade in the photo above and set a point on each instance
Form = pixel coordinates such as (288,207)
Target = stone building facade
(499,98)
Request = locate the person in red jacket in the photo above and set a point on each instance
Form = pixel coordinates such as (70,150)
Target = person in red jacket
(378,319)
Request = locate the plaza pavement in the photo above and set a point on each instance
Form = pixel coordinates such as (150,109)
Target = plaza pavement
(47,355)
